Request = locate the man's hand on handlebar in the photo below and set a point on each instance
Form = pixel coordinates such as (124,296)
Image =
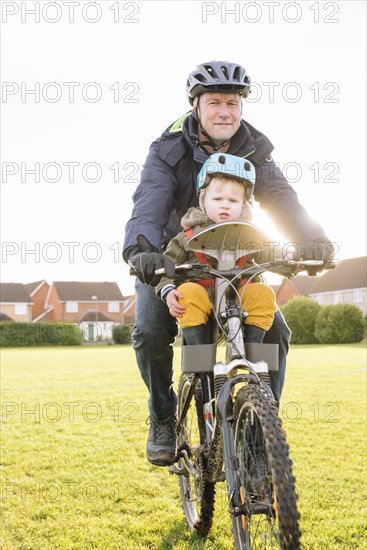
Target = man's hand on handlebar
(146,260)
(314,256)
(322,250)
(145,265)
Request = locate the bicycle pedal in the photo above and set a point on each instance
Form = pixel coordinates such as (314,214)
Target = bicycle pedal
(174,470)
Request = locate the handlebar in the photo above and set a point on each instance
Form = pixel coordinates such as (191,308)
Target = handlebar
(281,267)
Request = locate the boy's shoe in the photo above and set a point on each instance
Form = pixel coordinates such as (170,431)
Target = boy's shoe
(161,445)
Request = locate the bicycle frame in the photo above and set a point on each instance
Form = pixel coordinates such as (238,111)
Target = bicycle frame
(227,242)
(240,429)
(200,359)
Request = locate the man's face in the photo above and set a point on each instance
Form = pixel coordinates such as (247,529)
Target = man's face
(220,115)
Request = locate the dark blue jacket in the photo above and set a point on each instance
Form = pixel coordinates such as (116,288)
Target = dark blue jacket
(168,186)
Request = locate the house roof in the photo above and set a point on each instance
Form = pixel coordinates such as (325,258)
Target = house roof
(95,316)
(129,301)
(14,292)
(43,314)
(31,287)
(275,288)
(5,317)
(303,284)
(348,274)
(83,292)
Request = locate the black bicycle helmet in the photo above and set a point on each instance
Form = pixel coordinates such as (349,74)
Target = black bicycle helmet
(217,76)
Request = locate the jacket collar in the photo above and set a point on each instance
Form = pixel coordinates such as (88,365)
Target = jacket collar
(247,141)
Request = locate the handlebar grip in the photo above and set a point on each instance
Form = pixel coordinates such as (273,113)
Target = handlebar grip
(312,263)
(182,267)
(162,271)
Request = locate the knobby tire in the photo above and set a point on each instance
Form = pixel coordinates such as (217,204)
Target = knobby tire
(265,476)
(197,498)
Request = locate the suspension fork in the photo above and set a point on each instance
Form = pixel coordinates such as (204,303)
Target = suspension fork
(207,405)
(187,403)
(235,343)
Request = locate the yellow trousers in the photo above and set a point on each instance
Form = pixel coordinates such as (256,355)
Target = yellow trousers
(258,300)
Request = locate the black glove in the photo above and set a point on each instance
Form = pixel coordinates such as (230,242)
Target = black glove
(145,259)
(319,249)
(146,263)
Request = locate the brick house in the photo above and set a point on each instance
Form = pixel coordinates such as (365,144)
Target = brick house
(347,283)
(291,288)
(38,292)
(15,302)
(129,309)
(95,306)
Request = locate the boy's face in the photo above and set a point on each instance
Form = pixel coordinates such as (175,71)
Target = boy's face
(224,200)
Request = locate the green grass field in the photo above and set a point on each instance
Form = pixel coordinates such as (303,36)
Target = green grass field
(73,468)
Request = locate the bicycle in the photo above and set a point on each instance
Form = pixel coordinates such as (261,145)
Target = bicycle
(227,435)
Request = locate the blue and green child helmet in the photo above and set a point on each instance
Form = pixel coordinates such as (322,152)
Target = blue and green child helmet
(231,166)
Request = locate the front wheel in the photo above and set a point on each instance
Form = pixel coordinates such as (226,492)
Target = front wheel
(197,494)
(269,517)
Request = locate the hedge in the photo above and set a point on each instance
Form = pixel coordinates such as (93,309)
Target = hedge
(300,314)
(340,324)
(40,334)
(311,323)
(121,334)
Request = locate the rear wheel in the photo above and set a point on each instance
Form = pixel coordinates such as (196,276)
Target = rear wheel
(267,486)
(197,494)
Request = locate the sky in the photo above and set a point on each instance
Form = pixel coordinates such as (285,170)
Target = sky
(87,86)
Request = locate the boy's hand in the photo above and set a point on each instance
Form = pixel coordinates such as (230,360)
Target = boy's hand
(172,301)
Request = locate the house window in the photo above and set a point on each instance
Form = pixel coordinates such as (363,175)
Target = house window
(320,299)
(113,307)
(357,296)
(337,298)
(71,307)
(20,309)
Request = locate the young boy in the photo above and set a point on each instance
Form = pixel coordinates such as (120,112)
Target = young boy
(225,186)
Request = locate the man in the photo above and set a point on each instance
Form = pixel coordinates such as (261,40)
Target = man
(166,190)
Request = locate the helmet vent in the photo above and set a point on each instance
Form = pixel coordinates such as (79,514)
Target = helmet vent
(225,71)
(200,77)
(237,74)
